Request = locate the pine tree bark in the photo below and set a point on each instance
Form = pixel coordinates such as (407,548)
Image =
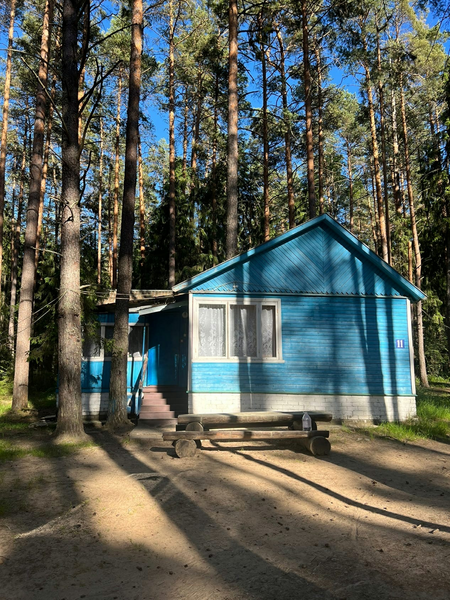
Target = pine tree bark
(44,172)
(308,111)
(15,250)
(141,207)
(398,200)
(350,185)
(232,151)
(100,208)
(21,369)
(320,127)
(287,130)
(3,139)
(70,423)
(265,132)
(376,166)
(117,408)
(172,216)
(383,148)
(214,171)
(116,184)
(416,245)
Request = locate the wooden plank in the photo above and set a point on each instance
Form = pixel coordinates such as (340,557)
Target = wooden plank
(239,435)
(251,419)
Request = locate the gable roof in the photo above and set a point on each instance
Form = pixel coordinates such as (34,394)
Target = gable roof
(318,257)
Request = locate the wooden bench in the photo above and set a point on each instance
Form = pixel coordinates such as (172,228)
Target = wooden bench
(197,428)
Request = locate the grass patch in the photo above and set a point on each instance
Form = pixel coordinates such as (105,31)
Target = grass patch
(13,451)
(433,416)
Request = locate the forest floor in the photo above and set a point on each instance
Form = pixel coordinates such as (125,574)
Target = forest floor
(127,520)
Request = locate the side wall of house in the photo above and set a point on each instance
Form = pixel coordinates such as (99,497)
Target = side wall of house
(96,368)
(347,355)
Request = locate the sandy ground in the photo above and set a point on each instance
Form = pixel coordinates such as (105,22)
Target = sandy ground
(130,521)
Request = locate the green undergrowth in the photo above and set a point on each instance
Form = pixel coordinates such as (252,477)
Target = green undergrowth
(18,435)
(433,416)
(11,450)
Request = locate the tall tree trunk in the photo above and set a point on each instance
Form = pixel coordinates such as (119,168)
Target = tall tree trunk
(172,216)
(308,111)
(45,171)
(417,254)
(185,131)
(383,148)
(141,207)
(265,133)
(3,139)
(15,252)
(233,107)
(376,166)
(100,208)
(70,422)
(117,408)
(21,370)
(287,130)
(214,172)
(398,200)
(350,184)
(320,125)
(110,228)
(116,183)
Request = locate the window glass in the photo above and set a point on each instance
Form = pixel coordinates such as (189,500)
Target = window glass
(135,338)
(243,331)
(109,330)
(268,337)
(91,348)
(211,330)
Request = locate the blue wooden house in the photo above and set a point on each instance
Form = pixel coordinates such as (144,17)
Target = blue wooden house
(312,319)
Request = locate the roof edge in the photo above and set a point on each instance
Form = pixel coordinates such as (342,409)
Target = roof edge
(410,289)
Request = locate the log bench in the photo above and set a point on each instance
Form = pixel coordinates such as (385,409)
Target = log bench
(198,427)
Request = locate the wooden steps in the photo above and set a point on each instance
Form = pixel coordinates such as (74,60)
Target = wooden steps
(160,404)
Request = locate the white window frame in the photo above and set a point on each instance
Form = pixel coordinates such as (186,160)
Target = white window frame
(101,357)
(228,302)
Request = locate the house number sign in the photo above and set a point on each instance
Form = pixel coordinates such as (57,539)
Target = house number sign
(399,343)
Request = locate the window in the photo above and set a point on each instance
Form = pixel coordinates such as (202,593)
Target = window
(237,330)
(100,347)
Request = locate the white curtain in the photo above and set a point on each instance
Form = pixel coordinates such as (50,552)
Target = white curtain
(243,331)
(211,330)
(268,331)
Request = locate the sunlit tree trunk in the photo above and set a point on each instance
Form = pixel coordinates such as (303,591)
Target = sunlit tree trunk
(116,184)
(3,139)
(70,423)
(117,407)
(232,169)
(21,369)
(417,254)
(100,208)
(320,126)
(376,166)
(383,149)
(308,111)
(172,217)
(287,130)
(45,171)
(265,133)
(141,207)
(15,250)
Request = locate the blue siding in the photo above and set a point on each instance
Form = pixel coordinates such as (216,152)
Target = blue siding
(95,375)
(331,345)
(318,257)
(316,262)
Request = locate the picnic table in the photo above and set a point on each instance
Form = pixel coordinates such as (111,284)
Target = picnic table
(197,427)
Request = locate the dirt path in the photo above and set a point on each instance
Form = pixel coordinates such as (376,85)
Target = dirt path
(131,522)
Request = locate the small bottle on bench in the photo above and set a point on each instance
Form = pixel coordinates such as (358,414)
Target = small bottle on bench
(306,422)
